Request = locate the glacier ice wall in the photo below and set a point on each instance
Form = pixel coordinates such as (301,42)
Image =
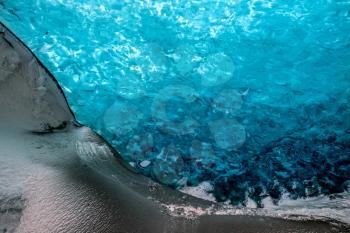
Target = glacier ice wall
(252,96)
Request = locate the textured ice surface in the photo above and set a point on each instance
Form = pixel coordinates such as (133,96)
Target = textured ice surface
(252,96)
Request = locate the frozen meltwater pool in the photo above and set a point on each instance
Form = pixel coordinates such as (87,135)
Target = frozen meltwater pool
(252,97)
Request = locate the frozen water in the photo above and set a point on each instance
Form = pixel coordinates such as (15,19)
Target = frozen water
(168,166)
(252,96)
(185,59)
(121,118)
(228,101)
(201,150)
(228,134)
(216,69)
(170,110)
(140,146)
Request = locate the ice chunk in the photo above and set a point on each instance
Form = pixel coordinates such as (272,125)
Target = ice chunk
(145,163)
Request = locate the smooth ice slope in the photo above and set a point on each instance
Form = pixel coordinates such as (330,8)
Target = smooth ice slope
(252,96)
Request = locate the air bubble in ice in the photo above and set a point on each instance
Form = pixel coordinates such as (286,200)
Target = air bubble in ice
(228,133)
(170,109)
(216,69)
(228,101)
